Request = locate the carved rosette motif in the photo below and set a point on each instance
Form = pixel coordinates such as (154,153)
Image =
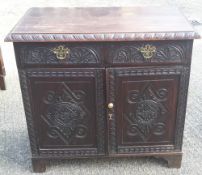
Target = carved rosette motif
(132,54)
(66,116)
(44,55)
(149,107)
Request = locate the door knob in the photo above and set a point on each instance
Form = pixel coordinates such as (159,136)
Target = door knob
(110,105)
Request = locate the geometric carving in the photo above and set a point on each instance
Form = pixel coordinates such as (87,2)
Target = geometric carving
(116,74)
(67,96)
(143,121)
(132,53)
(65,114)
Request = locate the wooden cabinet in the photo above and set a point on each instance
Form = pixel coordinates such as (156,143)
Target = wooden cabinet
(104,92)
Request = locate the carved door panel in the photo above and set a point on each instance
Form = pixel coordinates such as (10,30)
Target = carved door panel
(67,111)
(144,116)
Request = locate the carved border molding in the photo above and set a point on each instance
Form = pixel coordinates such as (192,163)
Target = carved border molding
(150,71)
(181,109)
(28,112)
(17,37)
(65,153)
(143,149)
(60,73)
(100,105)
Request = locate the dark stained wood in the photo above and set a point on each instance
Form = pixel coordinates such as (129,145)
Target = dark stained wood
(39,165)
(68,111)
(41,54)
(145,107)
(2,73)
(174,161)
(104,99)
(101,24)
(148,114)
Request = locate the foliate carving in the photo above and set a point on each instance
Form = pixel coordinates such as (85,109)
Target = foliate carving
(66,116)
(45,55)
(149,107)
(83,55)
(132,53)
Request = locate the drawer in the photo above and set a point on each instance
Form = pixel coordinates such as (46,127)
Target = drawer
(59,54)
(148,53)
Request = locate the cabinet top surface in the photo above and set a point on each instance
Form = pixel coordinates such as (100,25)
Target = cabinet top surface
(101,24)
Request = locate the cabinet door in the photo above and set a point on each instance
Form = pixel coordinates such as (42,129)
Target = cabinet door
(67,113)
(148,109)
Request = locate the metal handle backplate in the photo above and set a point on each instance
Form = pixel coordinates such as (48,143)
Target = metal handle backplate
(147,51)
(61,52)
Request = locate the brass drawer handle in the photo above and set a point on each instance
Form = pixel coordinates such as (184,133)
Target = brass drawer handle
(61,52)
(147,51)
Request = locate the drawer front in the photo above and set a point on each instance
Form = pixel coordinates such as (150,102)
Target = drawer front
(148,53)
(58,54)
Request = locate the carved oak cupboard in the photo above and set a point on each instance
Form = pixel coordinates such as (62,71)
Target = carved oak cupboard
(104,82)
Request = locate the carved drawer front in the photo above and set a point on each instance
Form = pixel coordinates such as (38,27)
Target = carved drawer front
(147,114)
(148,53)
(65,111)
(59,54)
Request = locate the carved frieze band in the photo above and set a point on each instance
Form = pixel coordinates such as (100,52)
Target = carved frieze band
(171,52)
(102,36)
(45,55)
